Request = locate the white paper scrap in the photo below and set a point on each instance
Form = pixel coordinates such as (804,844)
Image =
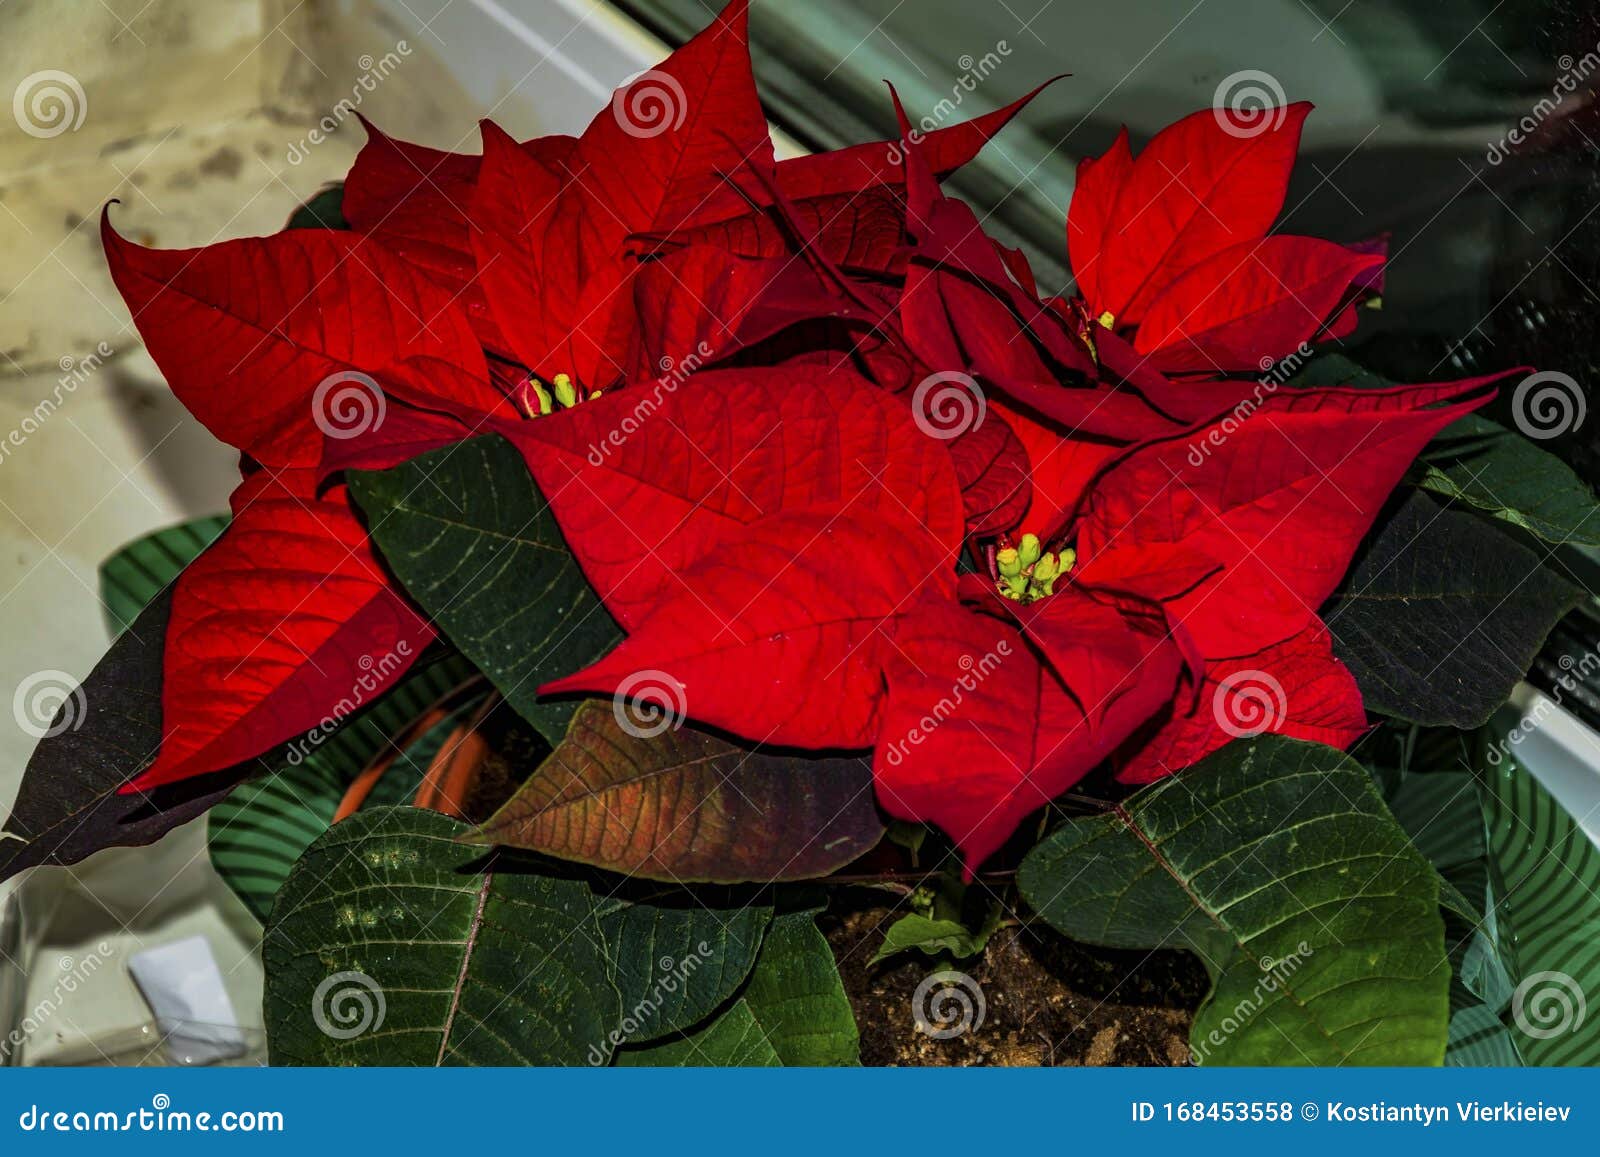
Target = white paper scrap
(184,987)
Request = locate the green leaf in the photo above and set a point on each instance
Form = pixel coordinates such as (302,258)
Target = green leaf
(70,804)
(325,210)
(1509,477)
(256,835)
(1434,795)
(474,543)
(734,1039)
(797,998)
(935,937)
(682,805)
(1441,614)
(1277,863)
(132,577)
(1552,887)
(675,958)
(1479,1039)
(467,962)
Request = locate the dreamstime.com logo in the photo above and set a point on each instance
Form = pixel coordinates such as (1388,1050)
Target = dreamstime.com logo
(373,72)
(49,703)
(1548,404)
(674,975)
(1249,103)
(948,404)
(347,405)
(974,71)
(377,674)
(1547,1004)
(948,1004)
(1574,74)
(673,374)
(160,1117)
(348,1004)
(973,673)
(1574,672)
(1274,373)
(74,372)
(1247,703)
(49,103)
(650,703)
(649,103)
(74,974)
(1275,974)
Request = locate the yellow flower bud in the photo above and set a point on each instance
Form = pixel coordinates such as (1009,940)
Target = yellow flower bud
(565,394)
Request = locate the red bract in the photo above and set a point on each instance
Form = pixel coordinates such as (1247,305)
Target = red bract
(778,534)
(282,345)
(1209,526)
(316,351)
(1172,247)
(288,623)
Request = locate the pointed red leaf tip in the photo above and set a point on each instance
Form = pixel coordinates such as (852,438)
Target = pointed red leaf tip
(282,625)
(417,201)
(850,201)
(1202,185)
(1295,688)
(666,149)
(648,481)
(855,167)
(1269,508)
(979,729)
(552,248)
(250,332)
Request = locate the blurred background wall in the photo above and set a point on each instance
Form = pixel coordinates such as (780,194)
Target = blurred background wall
(204,120)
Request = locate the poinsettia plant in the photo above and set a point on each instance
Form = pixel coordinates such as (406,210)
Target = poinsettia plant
(638,507)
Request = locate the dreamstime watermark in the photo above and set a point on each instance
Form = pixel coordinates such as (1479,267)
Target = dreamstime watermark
(1247,703)
(49,703)
(74,974)
(675,975)
(74,372)
(1274,373)
(1547,1004)
(974,672)
(948,404)
(650,703)
(674,372)
(649,103)
(160,1117)
(1274,975)
(948,1004)
(347,405)
(1248,103)
(348,1004)
(49,103)
(1548,404)
(1573,74)
(376,676)
(1573,673)
(973,73)
(373,73)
